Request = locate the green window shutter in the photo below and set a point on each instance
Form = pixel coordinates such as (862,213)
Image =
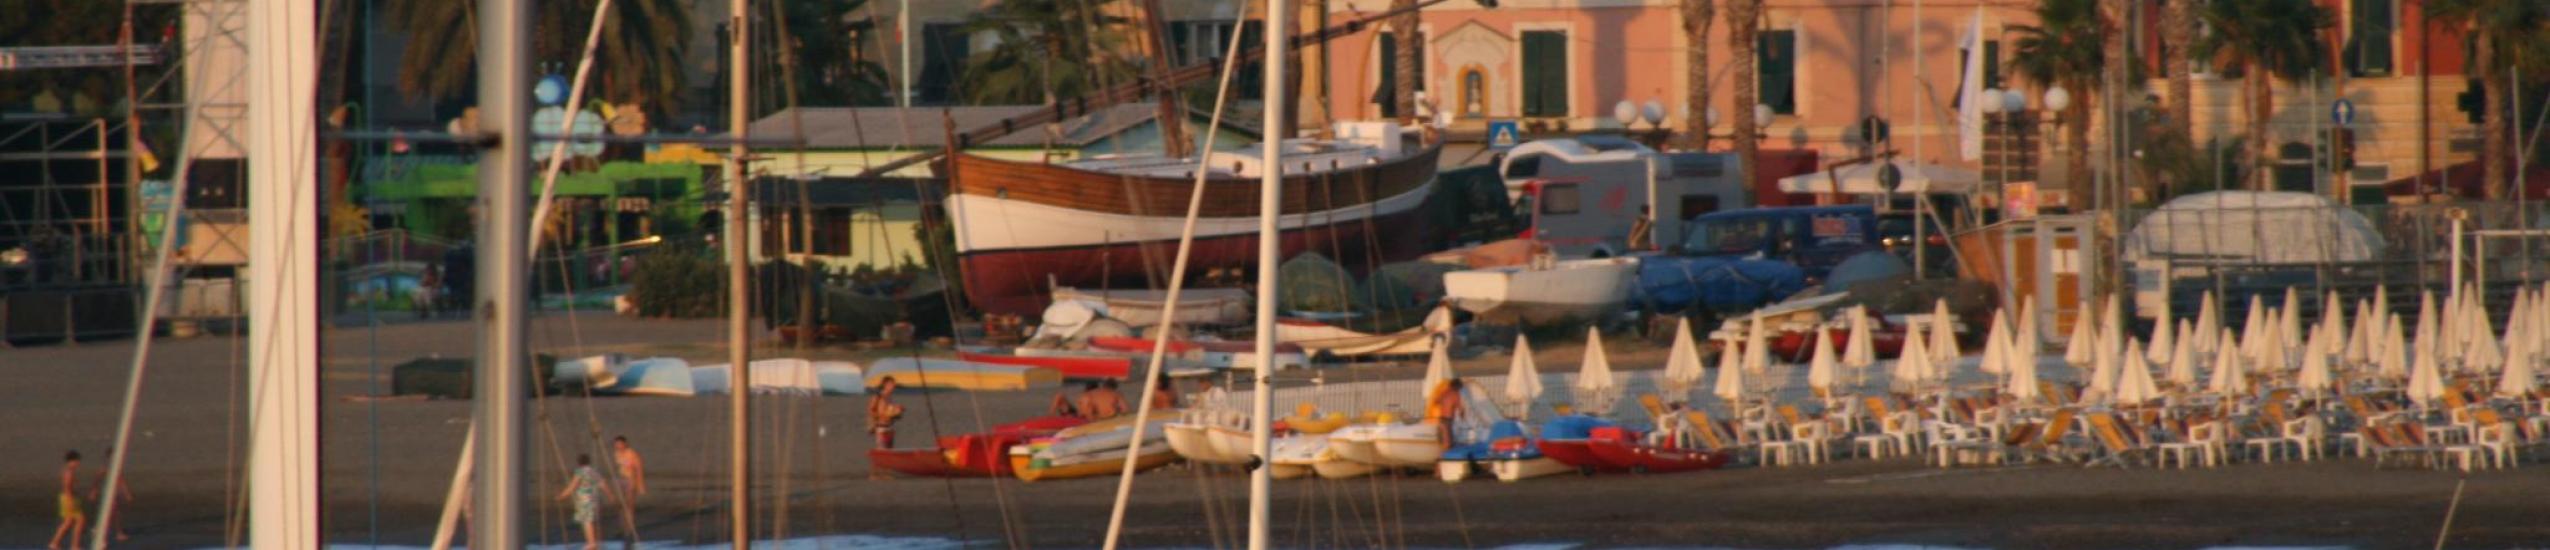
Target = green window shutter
(2368,44)
(1992,64)
(1776,57)
(1387,77)
(1544,74)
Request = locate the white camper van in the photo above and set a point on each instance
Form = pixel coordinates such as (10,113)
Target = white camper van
(1582,194)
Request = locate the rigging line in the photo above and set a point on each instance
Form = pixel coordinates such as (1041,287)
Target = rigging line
(1169,308)
(921,369)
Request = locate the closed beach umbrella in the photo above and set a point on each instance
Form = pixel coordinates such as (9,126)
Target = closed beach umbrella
(2392,356)
(2103,376)
(2333,318)
(2022,384)
(1522,380)
(1757,347)
(2024,333)
(1596,389)
(2208,324)
(2519,377)
(1820,371)
(1911,366)
(2315,379)
(2361,341)
(2254,330)
(1730,384)
(2272,357)
(2182,360)
(2134,386)
(2229,377)
(2425,377)
(1943,335)
(1682,364)
(1438,367)
(2077,351)
(2480,351)
(1861,350)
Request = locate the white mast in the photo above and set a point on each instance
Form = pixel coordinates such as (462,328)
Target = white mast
(283,253)
(504,91)
(1270,203)
(739,274)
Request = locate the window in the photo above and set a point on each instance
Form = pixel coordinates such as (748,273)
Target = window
(944,47)
(1561,199)
(1389,74)
(2368,37)
(1776,55)
(1523,167)
(1192,42)
(1544,73)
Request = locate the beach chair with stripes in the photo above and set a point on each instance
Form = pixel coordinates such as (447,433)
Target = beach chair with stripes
(2121,447)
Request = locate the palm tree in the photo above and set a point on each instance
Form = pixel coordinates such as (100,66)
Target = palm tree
(827,46)
(2497,27)
(2267,39)
(1696,16)
(639,59)
(2067,47)
(1046,49)
(1744,31)
(2177,28)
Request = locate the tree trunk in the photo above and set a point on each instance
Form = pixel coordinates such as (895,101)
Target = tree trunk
(1696,15)
(1171,116)
(2493,149)
(1404,87)
(2262,105)
(2076,153)
(1743,30)
(2177,23)
(2113,72)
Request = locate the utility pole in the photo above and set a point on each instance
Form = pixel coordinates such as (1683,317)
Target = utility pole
(739,353)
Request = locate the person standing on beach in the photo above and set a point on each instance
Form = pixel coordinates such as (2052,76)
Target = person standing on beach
(75,517)
(632,477)
(882,412)
(585,487)
(1443,408)
(123,499)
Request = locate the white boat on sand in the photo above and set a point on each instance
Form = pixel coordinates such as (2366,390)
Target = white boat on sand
(1544,292)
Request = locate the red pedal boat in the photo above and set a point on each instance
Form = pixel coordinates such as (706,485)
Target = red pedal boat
(1623,449)
(969,455)
(1799,346)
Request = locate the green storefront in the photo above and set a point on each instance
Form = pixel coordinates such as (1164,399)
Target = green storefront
(614,202)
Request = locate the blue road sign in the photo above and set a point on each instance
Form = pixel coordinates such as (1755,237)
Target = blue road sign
(1504,133)
(2342,112)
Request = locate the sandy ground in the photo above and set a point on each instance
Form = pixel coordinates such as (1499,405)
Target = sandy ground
(387,465)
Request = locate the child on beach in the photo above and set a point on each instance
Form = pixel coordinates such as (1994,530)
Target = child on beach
(1166,396)
(882,412)
(74,513)
(632,480)
(585,487)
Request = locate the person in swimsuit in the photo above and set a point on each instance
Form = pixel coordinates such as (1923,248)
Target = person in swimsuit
(882,412)
(632,476)
(1102,402)
(75,517)
(585,487)
(1166,396)
(1443,408)
(1064,405)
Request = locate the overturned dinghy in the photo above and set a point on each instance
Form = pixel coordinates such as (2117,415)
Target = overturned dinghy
(959,375)
(785,376)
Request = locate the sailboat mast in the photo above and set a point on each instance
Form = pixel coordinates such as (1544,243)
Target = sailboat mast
(1270,203)
(283,248)
(504,91)
(739,356)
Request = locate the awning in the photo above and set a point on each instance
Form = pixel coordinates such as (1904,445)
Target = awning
(1861,179)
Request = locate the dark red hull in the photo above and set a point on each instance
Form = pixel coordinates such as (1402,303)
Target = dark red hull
(1019,282)
(1578,453)
(1800,347)
(969,455)
(1639,458)
(1070,367)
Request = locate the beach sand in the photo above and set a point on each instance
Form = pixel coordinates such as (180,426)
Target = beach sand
(388,463)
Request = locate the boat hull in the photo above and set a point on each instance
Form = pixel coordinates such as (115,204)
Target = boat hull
(1071,367)
(1649,459)
(1571,291)
(1518,469)
(1453,471)
(1578,454)
(1026,470)
(1022,228)
(1409,446)
(919,463)
(1195,443)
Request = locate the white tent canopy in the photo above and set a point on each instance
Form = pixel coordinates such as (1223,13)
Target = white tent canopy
(2254,226)
(1861,179)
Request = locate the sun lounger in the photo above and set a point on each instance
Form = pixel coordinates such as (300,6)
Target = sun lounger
(2121,448)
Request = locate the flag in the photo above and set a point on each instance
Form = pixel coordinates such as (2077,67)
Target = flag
(1970,92)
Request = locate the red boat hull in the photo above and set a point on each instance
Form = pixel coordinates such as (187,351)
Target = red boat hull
(1654,460)
(1800,347)
(1578,453)
(1070,367)
(1124,344)
(1018,281)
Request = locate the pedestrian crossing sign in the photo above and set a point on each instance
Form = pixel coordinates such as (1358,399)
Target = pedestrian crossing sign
(1503,134)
